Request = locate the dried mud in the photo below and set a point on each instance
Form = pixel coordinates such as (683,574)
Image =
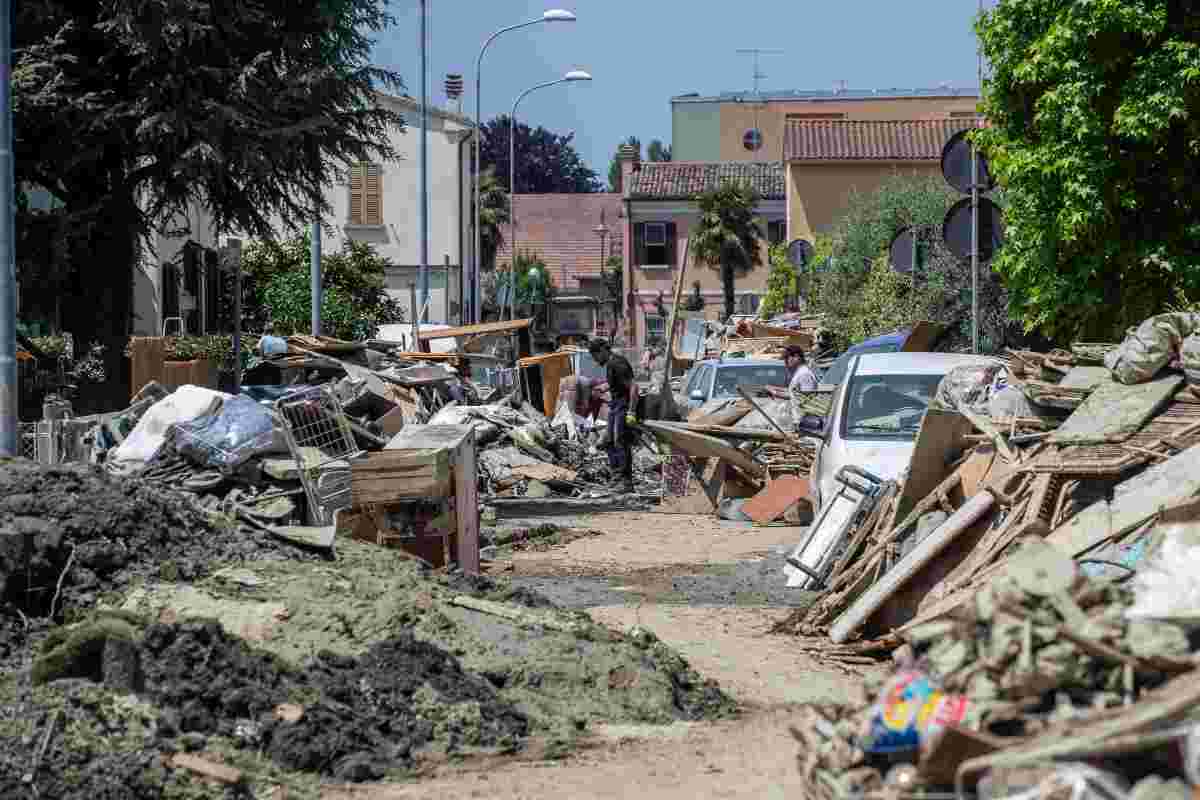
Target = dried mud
(112,531)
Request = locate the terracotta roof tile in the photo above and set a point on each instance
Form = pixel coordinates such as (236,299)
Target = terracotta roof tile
(682,180)
(868,140)
(561,228)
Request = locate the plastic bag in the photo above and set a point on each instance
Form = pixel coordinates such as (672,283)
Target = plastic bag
(1189,358)
(970,386)
(238,431)
(1151,346)
(149,435)
(910,713)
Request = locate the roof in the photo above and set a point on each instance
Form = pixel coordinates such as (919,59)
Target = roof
(413,105)
(785,95)
(916,363)
(683,180)
(868,140)
(561,230)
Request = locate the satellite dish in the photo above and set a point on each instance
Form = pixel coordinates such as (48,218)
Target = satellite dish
(900,251)
(956,229)
(800,252)
(956,165)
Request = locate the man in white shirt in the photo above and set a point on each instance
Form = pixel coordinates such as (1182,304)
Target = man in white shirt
(802,379)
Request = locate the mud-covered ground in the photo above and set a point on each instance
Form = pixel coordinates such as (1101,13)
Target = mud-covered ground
(187,635)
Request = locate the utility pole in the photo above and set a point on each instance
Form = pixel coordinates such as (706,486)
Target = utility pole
(9,431)
(975,209)
(424,161)
(315,275)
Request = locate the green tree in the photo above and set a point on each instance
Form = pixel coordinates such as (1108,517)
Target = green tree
(535,284)
(613,276)
(1094,132)
(657,151)
(547,162)
(727,235)
(783,282)
(131,113)
(495,212)
(354,301)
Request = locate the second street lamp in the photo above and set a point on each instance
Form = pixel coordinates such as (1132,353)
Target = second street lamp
(571,77)
(553,15)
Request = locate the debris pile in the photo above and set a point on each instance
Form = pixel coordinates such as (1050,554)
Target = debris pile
(1032,574)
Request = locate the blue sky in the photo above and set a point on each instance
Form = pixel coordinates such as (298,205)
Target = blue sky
(641,53)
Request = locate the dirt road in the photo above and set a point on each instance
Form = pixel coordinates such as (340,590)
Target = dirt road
(709,588)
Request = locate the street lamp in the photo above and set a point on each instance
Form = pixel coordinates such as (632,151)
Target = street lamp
(553,15)
(571,77)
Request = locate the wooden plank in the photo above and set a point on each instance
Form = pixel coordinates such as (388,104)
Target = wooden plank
(544,472)
(698,445)
(741,434)
(669,408)
(778,496)
(483,329)
(725,417)
(431,437)
(1114,412)
(392,475)
(938,443)
(466,499)
(922,337)
(146,361)
(1134,501)
(206,768)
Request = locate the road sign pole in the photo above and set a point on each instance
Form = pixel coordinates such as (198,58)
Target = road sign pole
(974,251)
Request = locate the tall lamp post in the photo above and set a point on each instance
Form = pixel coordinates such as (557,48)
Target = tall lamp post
(553,15)
(571,77)
(601,230)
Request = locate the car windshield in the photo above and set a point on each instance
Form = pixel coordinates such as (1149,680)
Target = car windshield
(730,378)
(887,406)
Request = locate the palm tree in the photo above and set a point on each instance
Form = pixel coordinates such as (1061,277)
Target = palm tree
(727,235)
(494,214)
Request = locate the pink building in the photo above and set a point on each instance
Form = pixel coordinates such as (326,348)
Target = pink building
(660,209)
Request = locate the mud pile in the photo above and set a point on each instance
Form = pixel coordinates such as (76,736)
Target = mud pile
(117,529)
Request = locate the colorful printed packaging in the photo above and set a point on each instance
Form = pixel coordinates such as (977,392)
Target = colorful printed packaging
(911,712)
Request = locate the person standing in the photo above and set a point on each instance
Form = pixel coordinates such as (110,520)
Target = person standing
(621,406)
(801,380)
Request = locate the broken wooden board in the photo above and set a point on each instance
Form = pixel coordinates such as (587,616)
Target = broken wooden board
(1114,412)
(697,445)
(778,496)
(1134,502)
(729,413)
(205,768)
(1085,377)
(939,442)
(731,433)
(922,337)
(544,472)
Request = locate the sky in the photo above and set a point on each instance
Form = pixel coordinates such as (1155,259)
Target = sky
(643,52)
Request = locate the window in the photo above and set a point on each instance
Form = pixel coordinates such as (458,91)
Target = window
(366,194)
(776,231)
(699,380)
(752,139)
(887,406)
(654,244)
(730,378)
(816,115)
(656,328)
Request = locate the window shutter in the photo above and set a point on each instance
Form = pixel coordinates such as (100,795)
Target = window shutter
(170,291)
(671,243)
(191,270)
(212,284)
(639,244)
(373,195)
(357,182)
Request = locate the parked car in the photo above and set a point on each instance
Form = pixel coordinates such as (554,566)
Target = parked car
(876,413)
(924,336)
(718,378)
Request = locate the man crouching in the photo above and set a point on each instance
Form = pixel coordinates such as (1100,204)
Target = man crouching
(623,401)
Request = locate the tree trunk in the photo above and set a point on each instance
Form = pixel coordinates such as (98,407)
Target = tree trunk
(100,308)
(727,284)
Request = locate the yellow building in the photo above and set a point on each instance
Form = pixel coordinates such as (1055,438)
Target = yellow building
(830,143)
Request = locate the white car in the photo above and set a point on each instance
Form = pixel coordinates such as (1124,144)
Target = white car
(876,413)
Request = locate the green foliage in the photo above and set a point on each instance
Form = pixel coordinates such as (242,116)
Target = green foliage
(547,162)
(656,151)
(1095,135)
(535,284)
(134,113)
(614,282)
(783,283)
(727,235)
(495,211)
(860,302)
(278,285)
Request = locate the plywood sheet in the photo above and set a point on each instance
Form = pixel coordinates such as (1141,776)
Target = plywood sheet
(698,445)
(1114,412)
(778,496)
(939,441)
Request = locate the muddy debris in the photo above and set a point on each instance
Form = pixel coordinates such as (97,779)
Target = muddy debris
(98,533)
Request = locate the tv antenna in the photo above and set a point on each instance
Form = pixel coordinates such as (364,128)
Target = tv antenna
(758,75)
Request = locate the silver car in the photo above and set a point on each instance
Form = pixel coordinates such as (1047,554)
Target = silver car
(876,413)
(720,378)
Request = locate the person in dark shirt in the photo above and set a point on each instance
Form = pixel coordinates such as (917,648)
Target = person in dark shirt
(623,402)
